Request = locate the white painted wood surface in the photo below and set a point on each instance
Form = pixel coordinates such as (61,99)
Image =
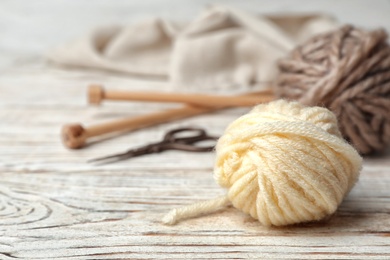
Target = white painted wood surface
(53,205)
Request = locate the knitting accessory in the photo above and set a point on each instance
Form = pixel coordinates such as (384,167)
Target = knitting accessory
(183,139)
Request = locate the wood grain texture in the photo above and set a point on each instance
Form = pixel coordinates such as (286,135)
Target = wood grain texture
(53,205)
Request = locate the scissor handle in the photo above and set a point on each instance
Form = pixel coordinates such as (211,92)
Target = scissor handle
(172,136)
(190,146)
(187,143)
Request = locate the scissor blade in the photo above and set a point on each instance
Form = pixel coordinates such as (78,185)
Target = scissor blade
(123,156)
(110,159)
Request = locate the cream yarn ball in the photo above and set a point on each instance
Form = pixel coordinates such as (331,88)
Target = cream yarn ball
(284,163)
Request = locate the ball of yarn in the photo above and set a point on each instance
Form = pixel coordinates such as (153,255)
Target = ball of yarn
(347,71)
(284,163)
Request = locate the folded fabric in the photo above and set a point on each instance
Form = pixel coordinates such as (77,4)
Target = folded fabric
(222,48)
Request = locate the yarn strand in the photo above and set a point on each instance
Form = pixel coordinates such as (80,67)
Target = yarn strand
(195,210)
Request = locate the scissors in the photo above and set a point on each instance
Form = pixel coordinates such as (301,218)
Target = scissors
(173,140)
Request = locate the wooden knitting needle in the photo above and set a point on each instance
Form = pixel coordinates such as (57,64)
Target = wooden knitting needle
(74,136)
(96,94)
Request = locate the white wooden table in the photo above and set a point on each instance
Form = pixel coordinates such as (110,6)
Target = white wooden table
(54,205)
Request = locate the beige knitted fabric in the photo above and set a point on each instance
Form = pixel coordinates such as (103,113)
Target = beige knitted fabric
(222,48)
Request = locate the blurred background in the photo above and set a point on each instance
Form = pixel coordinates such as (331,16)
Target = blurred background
(28,29)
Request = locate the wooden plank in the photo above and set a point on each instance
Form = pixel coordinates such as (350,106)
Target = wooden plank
(55,205)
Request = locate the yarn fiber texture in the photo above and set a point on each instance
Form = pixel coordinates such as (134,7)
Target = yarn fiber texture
(282,163)
(347,71)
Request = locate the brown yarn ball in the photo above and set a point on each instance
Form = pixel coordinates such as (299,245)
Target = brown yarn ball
(347,71)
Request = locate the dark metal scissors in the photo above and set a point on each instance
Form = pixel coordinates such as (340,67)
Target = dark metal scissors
(173,140)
